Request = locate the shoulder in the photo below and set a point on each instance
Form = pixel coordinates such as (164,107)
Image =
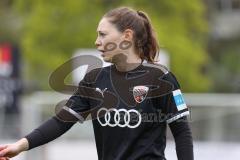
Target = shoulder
(156,68)
(171,78)
(163,73)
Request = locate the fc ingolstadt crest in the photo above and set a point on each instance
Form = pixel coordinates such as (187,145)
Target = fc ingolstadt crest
(140,93)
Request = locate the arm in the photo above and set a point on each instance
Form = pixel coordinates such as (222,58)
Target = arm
(48,131)
(183,139)
(63,121)
(177,109)
(51,129)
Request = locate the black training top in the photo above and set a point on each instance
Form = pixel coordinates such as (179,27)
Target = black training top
(129,111)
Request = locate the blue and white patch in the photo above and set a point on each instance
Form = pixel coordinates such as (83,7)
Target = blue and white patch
(178,99)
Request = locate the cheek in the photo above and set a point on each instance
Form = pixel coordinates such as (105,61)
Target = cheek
(111,44)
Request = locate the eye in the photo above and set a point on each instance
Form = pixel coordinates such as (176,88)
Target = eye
(102,34)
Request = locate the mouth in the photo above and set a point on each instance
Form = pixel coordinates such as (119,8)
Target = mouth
(102,51)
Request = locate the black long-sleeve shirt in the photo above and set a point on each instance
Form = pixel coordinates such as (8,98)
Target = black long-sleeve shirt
(130,112)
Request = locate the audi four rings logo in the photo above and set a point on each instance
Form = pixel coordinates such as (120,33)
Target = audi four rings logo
(116,119)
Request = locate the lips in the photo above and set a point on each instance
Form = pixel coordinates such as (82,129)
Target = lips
(102,51)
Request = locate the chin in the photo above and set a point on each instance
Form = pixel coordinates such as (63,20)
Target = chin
(107,59)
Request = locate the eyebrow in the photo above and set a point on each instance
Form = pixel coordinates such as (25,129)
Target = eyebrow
(101,31)
(98,32)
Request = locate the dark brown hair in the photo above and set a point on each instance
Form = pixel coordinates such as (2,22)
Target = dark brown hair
(144,37)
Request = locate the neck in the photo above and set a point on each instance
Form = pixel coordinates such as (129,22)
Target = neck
(129,63)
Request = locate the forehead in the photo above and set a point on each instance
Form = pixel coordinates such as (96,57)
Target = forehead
(105,25)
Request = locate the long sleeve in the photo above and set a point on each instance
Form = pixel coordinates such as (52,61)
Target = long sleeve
(48,131)
(183,139)
(64,120)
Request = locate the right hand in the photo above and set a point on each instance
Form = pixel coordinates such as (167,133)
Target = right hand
(11,150)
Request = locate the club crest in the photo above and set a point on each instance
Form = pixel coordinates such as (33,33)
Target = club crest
(140,93)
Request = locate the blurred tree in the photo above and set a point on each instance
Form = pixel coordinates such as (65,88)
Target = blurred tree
(225,69)
(10,23)
(54,29)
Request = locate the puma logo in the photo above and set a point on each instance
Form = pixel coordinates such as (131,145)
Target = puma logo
(101,91)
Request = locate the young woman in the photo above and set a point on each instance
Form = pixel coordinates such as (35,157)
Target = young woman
(130,102)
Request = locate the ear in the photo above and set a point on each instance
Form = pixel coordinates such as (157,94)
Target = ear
(128,35)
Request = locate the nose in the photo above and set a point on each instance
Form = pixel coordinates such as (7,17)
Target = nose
(97,42)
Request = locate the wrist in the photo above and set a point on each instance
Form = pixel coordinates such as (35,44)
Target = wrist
(22,145)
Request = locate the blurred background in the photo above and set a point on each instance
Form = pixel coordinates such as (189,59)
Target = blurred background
(201,40)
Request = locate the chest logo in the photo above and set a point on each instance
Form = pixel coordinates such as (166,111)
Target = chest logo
(119,117)
(140,93)
(101,91)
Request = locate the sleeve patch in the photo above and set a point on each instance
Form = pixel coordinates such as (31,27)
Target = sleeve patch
(179,101)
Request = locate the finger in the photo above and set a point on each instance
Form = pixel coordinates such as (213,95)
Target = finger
(3,152)
(3,147)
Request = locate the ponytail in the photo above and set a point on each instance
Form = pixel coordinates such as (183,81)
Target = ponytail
(149,48)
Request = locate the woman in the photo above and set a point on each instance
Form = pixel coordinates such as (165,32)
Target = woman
(130,102)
